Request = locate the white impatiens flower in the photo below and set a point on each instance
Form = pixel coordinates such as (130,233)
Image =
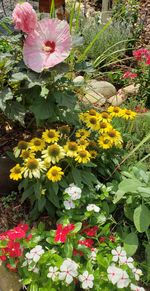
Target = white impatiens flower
(137,273)
(123,280)
(69,204)
(53,273)
(114,274)
(127,261)
(73,191)
(118,253)
(68,270)
(87,280)
(92,255)
(36,253)
(93,207)
(35,270)
(136,288)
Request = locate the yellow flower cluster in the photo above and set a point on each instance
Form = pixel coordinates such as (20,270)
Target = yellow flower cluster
(47,155)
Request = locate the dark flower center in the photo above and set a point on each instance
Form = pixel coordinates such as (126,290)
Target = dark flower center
(49,46)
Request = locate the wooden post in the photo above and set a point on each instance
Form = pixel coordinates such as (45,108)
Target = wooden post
(105,4)
(44,5)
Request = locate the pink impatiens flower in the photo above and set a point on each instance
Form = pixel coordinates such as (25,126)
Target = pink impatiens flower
(24,17)
(48,45)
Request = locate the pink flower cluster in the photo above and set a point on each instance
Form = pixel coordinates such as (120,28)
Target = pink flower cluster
(13,248)
(129,75)
(142,54)
(48,41)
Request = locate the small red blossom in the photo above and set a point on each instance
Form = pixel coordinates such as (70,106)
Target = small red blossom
(87,242)
(112,238)
(62,232)
(24,227)
(3,258)
(140,109)
(11,268)
(148,60)
(102,239)
(77,252)
(91,231)
(3,236)
(13,249)
(16,233)
(140,54)
(129,75)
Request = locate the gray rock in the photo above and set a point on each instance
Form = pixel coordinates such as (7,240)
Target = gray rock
(79,81)
(9,281)
(103,88)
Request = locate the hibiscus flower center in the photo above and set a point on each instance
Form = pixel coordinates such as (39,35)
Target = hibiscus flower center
(49,46)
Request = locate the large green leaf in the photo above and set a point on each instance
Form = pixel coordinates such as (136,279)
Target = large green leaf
(15,111)
(5,95)
(141,218)
(66,98)
(43,109)
(131,243)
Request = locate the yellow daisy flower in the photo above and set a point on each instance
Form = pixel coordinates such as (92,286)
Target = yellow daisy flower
(128,114)
(16,173)
(92,122)
(104,142)
(83,143)
(53,154)
(114,136)
(93,154)
(25,154)
(55,174)
(82,133)
(71,149)
(93,146)
(22,145)
(104,126)
(82,116)
(114,111)
(33,168)
(64,129)
(105,116)
(83,156)
(51,135)
(36,144)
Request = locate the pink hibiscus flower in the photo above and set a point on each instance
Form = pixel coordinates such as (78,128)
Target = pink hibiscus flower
(24,17)
(48,45)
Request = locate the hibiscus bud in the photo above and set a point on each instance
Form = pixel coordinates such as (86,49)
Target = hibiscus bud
(102,239)
(24,17)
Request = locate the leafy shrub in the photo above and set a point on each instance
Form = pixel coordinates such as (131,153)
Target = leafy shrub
(134,194)
(112,40)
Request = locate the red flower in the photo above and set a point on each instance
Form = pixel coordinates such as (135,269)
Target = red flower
(129,75)
(87,242)
(62,232)
(102,239)
(13,249)
(24,227)
(3,258)
(148,60)
(10,267)
(16,233)
(140,54)
(77,252)
(112,238)
(91,231)
(3,236)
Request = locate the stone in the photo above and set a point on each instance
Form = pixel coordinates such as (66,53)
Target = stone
(9,281)
(131,89)
(103,88)
(79,81)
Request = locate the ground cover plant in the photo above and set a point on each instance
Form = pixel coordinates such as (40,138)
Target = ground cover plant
(82,169)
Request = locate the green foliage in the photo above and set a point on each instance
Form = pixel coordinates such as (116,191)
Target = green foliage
(134,195)
(110,44)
